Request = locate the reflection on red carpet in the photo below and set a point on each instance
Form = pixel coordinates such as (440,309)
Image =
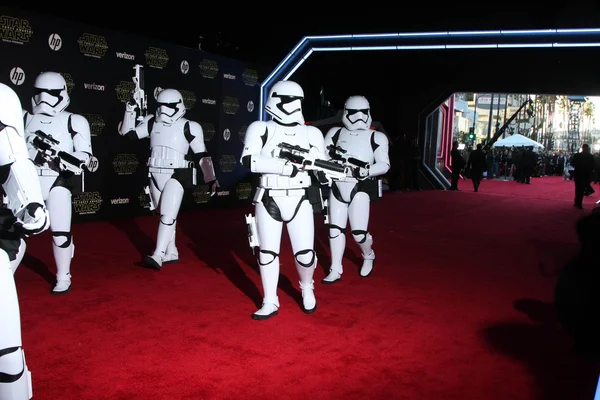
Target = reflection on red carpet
(457,308)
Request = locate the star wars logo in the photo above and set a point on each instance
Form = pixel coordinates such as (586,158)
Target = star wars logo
(201,194)
(189,98)
(96,123)
(157,57)
(125,164)
(242,133)
(87,203)
(250,77)
(208,130)
(243,191)
(231,105)
(93,45)
(124,90)
(227,163)
(15,30)
(69,80)
(209,69)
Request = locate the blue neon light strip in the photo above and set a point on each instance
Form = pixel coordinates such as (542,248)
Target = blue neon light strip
(287,66)
(457,46)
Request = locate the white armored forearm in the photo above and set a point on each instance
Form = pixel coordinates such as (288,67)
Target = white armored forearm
(378,169)
(129,120)
(22,186)
(262,164)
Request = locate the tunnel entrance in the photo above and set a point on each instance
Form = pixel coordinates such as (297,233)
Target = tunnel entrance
(406,76)
(556,126)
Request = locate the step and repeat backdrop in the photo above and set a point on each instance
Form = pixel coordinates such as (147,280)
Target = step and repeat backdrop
(219,93)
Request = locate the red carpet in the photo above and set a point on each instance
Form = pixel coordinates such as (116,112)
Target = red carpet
(457,308)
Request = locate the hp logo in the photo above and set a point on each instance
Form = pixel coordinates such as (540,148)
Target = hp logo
(17,76)
(185,67)
(55,41)
(226,134)
(250,106)
(93,164)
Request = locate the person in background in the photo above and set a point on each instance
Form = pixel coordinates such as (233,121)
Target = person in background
(477,163)
(458,162)
(528,162)
(583,164)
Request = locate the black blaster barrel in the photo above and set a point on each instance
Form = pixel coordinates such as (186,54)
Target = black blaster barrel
(329,165)
(71,159)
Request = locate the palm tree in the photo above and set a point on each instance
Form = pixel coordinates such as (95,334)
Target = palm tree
(550,126)
(588,111)
(564,107)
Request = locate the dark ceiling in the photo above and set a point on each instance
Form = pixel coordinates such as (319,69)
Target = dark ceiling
(415,80)
(248,32)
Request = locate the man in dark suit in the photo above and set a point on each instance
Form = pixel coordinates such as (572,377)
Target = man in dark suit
(528,161)
(477,163)
(583,164)
(458,162)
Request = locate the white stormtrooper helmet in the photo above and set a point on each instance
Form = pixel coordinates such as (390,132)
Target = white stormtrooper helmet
(357,114)
(51,96)
(170,106)
(285,103)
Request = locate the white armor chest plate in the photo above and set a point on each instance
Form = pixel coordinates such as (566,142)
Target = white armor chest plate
(294,135)
(168,145)
(357,144)
(57,126)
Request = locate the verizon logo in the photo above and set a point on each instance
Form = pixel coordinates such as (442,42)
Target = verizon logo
(209,101)
(119,201)
(126,56)
(223,193)
(94,86)
(229,76)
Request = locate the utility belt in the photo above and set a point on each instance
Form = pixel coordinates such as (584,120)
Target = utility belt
(153,170)
(186,176)
(75,183)
(272,181)
(163,163)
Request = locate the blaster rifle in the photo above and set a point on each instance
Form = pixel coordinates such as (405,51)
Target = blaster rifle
(139,95)
(48,149)
(301,157)
(339,154)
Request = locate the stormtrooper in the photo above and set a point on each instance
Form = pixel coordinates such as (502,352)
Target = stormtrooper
(70,136)
(286,192)
(364,152)
(22,213)
(171,138)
